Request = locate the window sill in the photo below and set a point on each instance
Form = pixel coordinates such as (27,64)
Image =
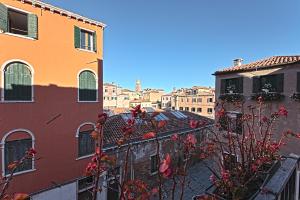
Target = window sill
(90,51)
(19,36)
(154,173)
(7,101)
(87,101)
(84,157)
(20,173)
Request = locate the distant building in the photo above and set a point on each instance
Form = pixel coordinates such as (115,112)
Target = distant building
(199,100)
(110,95)
(166,101)
(143,103)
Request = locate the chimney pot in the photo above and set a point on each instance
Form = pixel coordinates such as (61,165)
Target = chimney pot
(237,62)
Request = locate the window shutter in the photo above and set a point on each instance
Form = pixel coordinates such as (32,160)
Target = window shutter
(223,85)
(87,86)
(280,82)
(240,85)
(298,81)
(33,26)
(76,37)
(3,18)
(95,41)
(256,84)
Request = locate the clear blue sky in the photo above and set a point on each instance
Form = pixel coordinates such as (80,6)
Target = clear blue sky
(180,43)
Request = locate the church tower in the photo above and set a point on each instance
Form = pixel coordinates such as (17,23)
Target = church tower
(138,87)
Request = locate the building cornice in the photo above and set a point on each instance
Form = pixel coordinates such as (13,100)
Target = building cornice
(63,12)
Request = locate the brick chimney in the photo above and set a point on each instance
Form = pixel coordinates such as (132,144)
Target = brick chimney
(237,62)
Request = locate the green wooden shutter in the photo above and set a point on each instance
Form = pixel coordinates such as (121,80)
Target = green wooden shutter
(95,41)
(240,85)
(87,86)
(32,26)
(223,85)
(280,82)
(298,81)
(256,84)
(3,18)
(76,37)
(17,79)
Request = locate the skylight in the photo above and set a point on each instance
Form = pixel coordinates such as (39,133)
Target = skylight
(179,114)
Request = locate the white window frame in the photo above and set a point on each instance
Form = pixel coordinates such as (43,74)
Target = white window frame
(97,84)
(3,149)
(77,136)
(156,172)
(13,34)
(4,65)
(92,40)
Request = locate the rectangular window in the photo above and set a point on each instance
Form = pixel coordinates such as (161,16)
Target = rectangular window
(180,108)
(199,100)
(232,85)
(199,110)
(187,109)
(232,122)
(85,186)
(18,22)
(187,99)
(153,164)
(209,100)
(85,39)
(268,83)
(194,100)
(209,110)
(193,109)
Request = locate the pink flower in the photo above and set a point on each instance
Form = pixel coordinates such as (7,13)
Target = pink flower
(130,122)
(174,137)
(191,139)
(213,179)
(264,119)
(282,111)
(165,167)
(194,124)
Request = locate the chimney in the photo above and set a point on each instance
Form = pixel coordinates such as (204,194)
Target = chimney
(237,62)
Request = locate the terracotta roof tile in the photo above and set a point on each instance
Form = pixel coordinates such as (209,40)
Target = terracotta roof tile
(113,127)
(260,64)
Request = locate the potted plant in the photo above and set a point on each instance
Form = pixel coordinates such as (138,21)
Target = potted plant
(244,162)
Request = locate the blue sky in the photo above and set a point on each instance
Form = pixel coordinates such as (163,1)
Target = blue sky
(180,43)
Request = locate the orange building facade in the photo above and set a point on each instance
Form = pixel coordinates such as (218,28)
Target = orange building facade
(51,92)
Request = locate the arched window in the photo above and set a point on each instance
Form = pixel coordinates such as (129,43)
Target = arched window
(17,82)
(86,144)
(87,86)
(16,143)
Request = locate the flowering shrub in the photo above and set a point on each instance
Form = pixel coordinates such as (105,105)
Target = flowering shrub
(231,97)
(5,181)
(268,96)
(257,148)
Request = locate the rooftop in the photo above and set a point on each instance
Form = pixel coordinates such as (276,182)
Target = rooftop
(113,127)
(261,64)
(63,12)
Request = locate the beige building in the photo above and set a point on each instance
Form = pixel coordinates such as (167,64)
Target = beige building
(199,100)
(166,101)
(154,96)
(110,95)
(143,103)
(276,79)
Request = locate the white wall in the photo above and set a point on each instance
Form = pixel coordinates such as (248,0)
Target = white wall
(65,192)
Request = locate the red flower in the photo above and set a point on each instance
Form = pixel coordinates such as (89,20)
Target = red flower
(191,139)
(175,137)
(31,152)
(221,112)
(137,108)
(162,124)
(194,124)
(265,119)
(282,111)
(149,135)
(127,130)
(165,164)
(102,118)
(130,122)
